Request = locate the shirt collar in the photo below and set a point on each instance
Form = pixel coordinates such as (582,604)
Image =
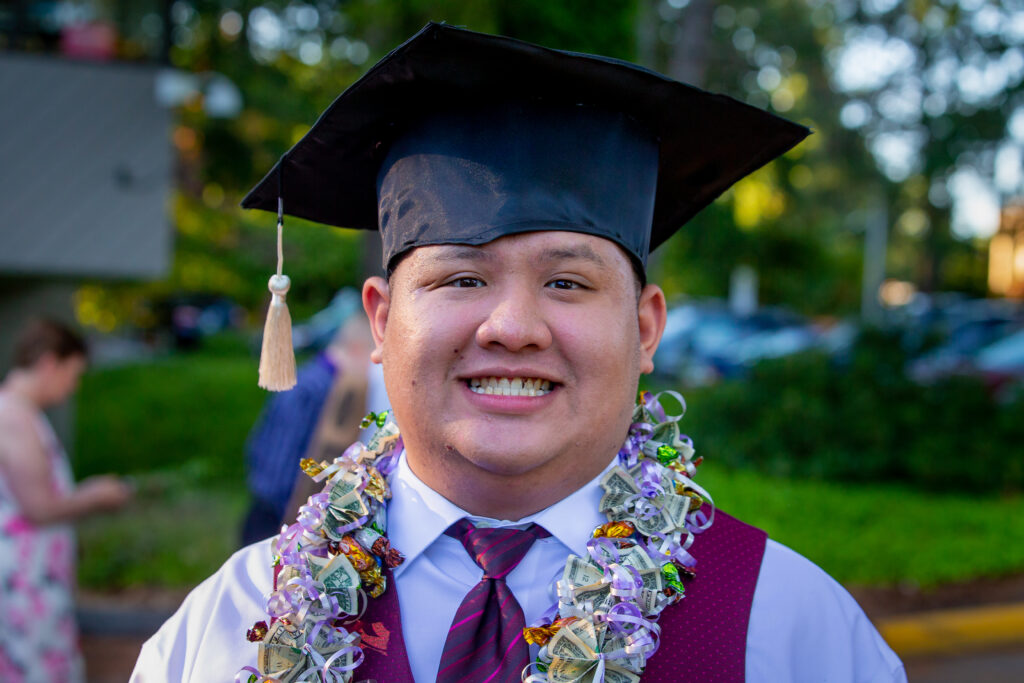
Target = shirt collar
(418,515)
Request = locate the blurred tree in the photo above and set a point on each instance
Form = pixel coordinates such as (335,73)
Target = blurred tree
(935,87)
(906,100)
(798,220)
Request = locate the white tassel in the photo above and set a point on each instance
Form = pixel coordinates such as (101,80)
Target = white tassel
(277,359)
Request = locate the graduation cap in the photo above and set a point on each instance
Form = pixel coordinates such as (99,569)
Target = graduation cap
(463,137)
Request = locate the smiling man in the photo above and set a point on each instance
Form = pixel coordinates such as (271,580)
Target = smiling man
(551,527)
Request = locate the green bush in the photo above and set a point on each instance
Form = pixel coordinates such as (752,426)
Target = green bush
(187,414)
(808,416)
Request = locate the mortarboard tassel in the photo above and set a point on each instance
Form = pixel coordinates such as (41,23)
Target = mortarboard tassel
(277,359)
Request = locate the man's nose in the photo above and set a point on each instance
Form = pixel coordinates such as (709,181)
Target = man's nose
(516,322)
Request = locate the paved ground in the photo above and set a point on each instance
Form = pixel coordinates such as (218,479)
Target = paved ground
(109,658)
(982,667)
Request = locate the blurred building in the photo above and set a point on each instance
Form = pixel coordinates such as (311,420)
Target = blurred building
(86,154)
(1006,254)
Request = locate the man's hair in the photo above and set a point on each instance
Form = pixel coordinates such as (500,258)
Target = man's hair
(42,336)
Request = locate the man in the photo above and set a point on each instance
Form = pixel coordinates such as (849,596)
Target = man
(517,191)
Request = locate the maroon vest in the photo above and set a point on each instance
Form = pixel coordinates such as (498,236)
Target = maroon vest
(703,638)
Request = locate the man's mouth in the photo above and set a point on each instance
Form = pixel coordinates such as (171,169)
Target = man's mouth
(509,386)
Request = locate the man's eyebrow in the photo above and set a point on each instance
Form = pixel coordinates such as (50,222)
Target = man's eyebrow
(576,251)
(461,252)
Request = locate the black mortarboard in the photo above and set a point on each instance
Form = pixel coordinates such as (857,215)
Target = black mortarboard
(463,137)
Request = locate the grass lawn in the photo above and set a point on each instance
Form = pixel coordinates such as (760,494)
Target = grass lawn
(173,535)
(878,534)
(179,426)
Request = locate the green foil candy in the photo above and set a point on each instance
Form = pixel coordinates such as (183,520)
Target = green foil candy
(666,454)
(670,573)
(370,419)
(382,418)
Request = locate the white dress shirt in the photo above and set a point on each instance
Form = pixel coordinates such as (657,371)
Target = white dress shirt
(803,625)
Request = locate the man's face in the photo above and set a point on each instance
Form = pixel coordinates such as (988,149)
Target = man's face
(514,360)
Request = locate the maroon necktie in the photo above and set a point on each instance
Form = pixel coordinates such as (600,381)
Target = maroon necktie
(485,643)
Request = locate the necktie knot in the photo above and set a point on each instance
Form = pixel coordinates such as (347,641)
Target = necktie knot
(497,551)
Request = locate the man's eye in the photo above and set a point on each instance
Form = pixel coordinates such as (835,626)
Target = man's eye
(563,284)
(466,282)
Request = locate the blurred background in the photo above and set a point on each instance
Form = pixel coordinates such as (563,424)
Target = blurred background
(846,323)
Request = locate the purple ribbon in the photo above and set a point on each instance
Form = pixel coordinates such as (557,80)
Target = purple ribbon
(639,433)
(594,547)
(650,479)
(386,464)
(624,580)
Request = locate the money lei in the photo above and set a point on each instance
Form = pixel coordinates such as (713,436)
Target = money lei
(603,627)
(328,564)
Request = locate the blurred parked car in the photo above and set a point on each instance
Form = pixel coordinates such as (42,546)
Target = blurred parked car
(1001,364)
(957,354)
(704,341)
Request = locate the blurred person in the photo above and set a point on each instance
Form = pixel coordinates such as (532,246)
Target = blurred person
(316,419)
(38,500)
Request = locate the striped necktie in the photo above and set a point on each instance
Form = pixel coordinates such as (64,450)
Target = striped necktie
(485,642)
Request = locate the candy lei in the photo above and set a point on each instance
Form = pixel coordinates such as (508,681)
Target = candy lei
(603,625)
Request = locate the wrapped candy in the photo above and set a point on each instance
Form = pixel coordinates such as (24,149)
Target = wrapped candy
(670,574)
(377,486)
(257,632)
(311,467)
(373,581)
(696,500)
(380,546)
(615,530)
(378,419)
(541,635)
(667,454)
(357,554)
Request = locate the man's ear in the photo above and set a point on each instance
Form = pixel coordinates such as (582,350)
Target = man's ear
(651,314)
(376,303)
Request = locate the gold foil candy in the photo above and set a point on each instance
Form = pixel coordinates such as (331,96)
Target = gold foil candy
(696,500)
(377,486)
(373,581)
(538,635)
(621,529)
(311,467)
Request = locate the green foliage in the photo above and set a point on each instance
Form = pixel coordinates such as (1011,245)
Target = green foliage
(175,534)
(871,533)
(804,416)
(187,415)
(179,424)
(178,427)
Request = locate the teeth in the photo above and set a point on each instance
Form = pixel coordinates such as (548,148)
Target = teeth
(510,386)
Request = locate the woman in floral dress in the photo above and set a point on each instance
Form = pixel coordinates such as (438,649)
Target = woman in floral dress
(38,500)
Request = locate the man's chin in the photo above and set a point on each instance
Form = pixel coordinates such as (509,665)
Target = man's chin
(508,463)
